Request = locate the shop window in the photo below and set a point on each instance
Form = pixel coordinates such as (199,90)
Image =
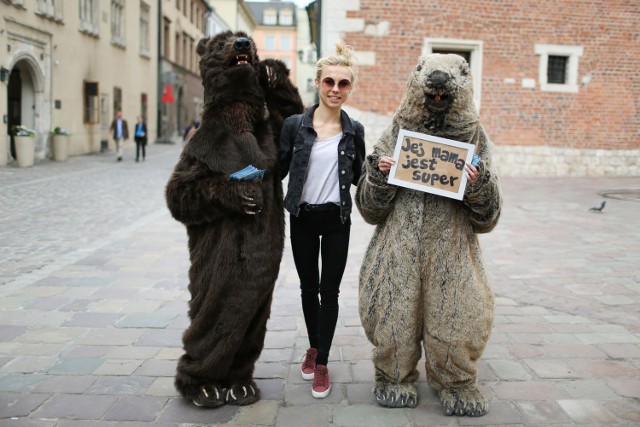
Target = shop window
(91,109)
(144,106)
(117,99)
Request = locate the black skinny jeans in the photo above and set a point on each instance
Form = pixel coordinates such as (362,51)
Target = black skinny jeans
(322,234)
(140,144)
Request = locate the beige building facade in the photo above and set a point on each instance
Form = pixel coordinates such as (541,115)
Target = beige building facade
(72,65)
(235,14)
(307,57)
(276,33)
(184,23)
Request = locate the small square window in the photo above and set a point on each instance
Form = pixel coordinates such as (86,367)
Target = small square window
(270,17)
(557,69)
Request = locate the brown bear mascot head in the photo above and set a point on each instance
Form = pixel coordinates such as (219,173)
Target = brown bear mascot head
(439,98)
(230,70)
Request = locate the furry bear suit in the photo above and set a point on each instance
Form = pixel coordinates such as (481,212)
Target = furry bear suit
(422,280)
(235,228)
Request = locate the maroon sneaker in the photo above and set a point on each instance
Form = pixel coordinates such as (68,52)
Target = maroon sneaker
(309,364)
(321,384)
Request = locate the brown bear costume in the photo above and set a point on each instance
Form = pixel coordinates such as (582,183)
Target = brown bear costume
(235,228)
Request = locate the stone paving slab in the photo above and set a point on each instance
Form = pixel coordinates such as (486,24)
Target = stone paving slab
(93,303)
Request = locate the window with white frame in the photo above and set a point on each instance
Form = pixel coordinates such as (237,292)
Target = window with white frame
(50,8)
(117,23)
(144,29)
(285,43)
(270,42)
(89,17)
(286,17)
(558,68)
(471,50)
(270,17)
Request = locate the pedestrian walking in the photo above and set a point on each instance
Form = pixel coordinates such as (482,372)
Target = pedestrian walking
(190,130)
(323,151)
(140,136)
(120,133)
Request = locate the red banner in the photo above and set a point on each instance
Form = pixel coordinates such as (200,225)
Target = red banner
(167,94)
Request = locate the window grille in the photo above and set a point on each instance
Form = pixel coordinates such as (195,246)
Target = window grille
(557,69)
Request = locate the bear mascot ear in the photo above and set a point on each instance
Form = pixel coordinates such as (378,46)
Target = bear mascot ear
(201,48)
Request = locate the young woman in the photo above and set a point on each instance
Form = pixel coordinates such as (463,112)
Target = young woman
(140,137)
(323,151)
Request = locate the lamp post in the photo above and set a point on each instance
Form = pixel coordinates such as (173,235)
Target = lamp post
(314,13)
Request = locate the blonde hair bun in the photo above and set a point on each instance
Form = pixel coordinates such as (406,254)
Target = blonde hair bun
(344,56)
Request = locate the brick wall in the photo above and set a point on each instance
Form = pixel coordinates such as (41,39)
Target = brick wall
(604,113)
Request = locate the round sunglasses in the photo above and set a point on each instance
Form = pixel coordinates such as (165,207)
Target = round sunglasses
(328,83)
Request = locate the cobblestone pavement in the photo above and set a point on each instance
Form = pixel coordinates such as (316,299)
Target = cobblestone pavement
(93,301)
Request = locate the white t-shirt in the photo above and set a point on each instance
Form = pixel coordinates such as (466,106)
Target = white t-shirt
(321,183)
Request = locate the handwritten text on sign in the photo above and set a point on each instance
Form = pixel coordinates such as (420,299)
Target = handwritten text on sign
(431,164)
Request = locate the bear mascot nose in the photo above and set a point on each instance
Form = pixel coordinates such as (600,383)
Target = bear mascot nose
(242,45)
(438,78)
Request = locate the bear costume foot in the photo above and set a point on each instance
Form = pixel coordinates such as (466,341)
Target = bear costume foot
(210,396)
(395,395)
(467,400)
(243,394)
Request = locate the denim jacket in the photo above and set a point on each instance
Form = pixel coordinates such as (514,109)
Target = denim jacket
(296,140)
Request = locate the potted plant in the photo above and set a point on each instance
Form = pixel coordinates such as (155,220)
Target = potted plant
(25,143)
(60,143)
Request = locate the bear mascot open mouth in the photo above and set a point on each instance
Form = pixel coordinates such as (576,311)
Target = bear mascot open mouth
(234,221)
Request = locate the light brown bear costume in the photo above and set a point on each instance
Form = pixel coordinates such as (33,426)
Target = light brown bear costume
(235,228)
(422,278)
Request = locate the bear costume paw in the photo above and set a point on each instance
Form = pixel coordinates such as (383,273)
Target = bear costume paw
(210,396)
(395,395)
(243,394)
(467,400)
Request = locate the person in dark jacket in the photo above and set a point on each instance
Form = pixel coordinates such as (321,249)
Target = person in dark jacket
(140,137)
(322,151)
(120,133)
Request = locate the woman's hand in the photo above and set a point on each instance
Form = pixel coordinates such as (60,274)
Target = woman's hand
(384,164)
(472,173)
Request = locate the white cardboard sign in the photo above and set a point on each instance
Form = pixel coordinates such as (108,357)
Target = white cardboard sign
(431,164)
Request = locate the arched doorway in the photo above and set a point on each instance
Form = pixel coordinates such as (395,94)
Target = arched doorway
(21,100)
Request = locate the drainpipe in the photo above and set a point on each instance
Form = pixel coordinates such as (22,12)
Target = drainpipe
(319,35)
(159,71)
